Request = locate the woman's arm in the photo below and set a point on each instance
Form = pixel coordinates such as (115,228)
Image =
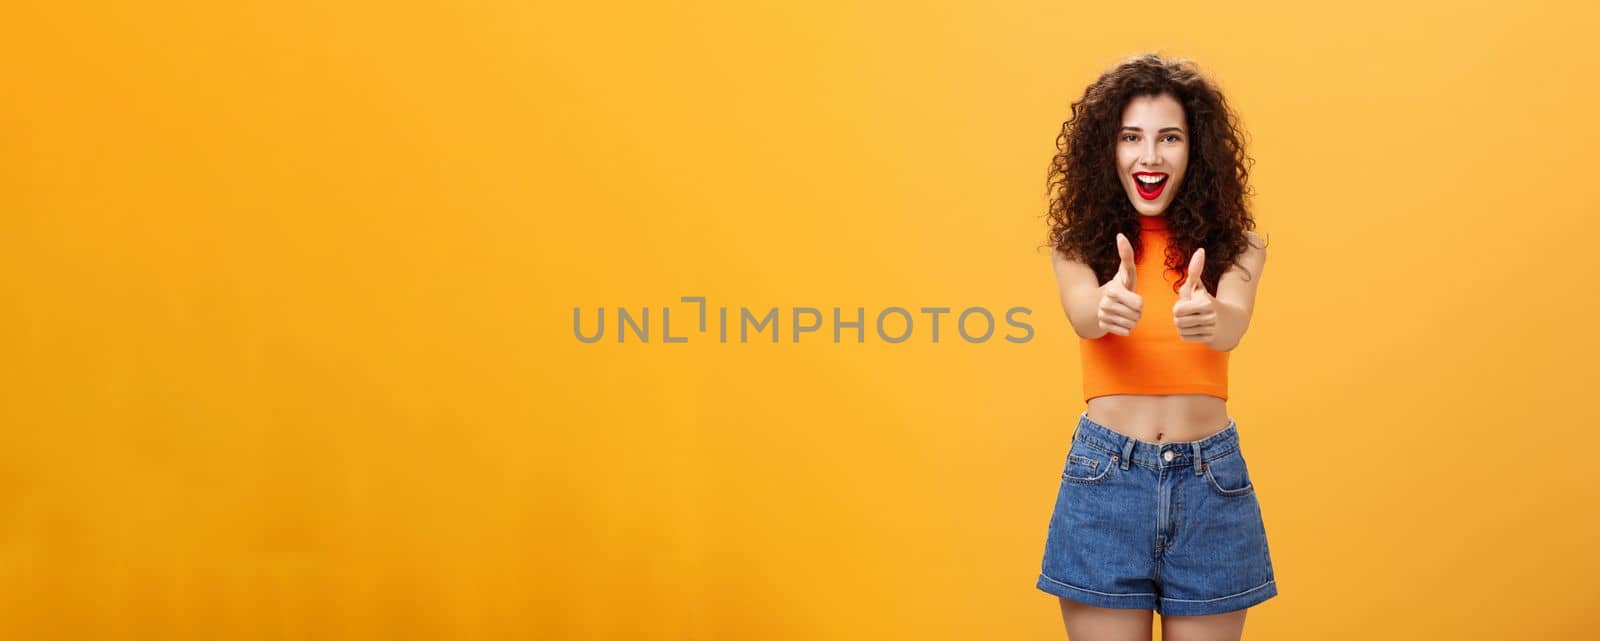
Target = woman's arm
(1080,295)
(1236,296)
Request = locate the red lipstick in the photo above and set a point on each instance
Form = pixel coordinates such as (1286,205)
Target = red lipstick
(1149,191)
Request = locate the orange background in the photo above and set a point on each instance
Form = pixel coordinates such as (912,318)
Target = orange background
(289,355)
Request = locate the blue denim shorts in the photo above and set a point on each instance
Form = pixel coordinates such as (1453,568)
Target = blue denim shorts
(1173,527)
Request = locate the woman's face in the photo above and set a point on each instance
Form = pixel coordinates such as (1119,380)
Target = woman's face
(1152,143)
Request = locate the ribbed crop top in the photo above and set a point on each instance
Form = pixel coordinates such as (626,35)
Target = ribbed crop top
(1152,358)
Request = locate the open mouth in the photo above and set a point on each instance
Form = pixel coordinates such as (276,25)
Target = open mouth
(1150,190)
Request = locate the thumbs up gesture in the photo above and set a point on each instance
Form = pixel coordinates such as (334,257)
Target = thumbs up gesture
(1120,308)
(1195,313)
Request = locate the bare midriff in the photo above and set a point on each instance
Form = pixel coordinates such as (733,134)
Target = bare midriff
(1159,419)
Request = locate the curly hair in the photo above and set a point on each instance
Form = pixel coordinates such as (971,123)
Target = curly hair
(1088,204)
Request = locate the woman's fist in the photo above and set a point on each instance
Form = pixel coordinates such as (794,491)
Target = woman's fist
(1120,308)
(1195,313)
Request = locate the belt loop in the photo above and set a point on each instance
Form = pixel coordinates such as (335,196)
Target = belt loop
(1198,462)
(1127,451)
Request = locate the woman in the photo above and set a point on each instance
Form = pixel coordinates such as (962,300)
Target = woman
(1156,511)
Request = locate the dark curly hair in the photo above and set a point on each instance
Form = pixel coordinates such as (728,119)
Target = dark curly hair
(1088,204)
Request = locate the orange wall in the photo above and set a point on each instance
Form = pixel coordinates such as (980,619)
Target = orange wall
(288,347)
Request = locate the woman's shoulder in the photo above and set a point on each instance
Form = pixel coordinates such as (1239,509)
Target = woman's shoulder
(1255,239)
(1255,250)
(1254,256)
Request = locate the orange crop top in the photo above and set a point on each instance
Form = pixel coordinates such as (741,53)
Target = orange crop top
(1153,359)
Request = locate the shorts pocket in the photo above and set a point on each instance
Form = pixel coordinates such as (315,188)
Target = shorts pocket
(1088,465)
(1228,475)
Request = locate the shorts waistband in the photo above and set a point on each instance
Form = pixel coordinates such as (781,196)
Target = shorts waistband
(1158,456)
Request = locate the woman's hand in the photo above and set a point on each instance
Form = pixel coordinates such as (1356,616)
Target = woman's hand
(1120,308)
(1195,313)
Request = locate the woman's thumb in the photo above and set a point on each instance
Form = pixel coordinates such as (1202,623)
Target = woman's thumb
(1127,267)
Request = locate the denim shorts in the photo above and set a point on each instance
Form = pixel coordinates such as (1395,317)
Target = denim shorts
(1173,527)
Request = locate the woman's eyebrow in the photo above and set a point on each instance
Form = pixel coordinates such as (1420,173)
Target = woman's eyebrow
(1177,129)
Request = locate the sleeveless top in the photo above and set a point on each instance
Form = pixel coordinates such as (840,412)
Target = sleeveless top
(1152,358)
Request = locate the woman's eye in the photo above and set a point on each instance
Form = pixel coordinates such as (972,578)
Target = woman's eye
(1174,136)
